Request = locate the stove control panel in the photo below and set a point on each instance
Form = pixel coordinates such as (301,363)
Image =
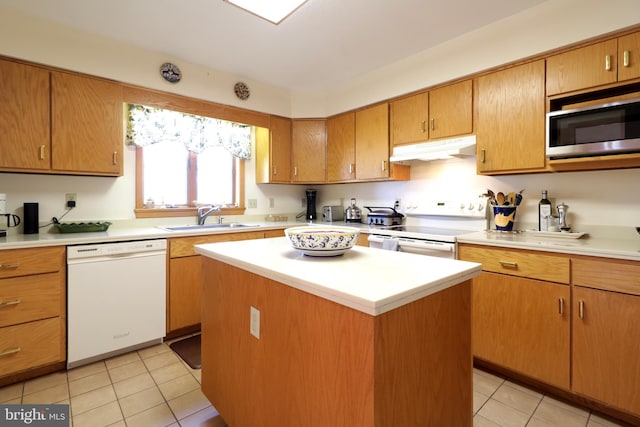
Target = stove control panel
(475,207)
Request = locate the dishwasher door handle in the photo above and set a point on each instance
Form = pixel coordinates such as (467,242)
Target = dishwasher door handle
(433,246)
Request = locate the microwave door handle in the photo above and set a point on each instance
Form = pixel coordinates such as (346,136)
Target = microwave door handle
(435,246)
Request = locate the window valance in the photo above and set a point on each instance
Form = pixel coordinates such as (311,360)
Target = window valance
(149,125)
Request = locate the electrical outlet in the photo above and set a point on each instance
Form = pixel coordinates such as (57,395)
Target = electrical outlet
(272,202)
(253,203)
(71,199)
(397,204)
(254,327)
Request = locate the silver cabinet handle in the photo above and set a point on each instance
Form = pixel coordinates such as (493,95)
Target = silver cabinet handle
(423,127)
(483,155)
(351,168)
(561,306)
(10,352)
(384,165)
(8,303)
(607,62)
(9,266)
(295,171)
(625,58)
(581,309)
(508,264)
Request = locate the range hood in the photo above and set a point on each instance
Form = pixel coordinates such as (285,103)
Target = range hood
(464,146)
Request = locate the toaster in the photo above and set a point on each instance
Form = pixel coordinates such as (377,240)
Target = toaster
(332,213)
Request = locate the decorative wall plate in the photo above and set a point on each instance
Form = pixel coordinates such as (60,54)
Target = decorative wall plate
(170,72)
(241,90)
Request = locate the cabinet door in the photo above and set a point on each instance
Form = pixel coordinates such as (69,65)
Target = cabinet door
(341,147)
(280,150)
(309,146)
(451,110)
(24,117)
(606,345)
(409,119)
(523,325)
(185,278)
(582,68)
(629,57)
(372,142)
(510,134)
(87,128)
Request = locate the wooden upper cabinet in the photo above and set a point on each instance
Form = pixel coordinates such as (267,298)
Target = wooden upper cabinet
(341,147)
(510,129)
(440,113)
(273,152)
(372,142)
(629,57)
(582,68)
(87,125)
(451,110)
(409,117)
(24,117)
(309,151)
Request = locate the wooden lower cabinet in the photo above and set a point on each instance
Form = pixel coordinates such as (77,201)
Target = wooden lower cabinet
(523,325)
(32,312)
(606,347)
(184,289)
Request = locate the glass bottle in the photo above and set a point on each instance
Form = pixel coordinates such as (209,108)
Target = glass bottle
(544,212)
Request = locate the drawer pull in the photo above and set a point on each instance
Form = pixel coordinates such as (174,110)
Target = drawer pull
(508,264)
(561,306)
(607,62)
(9,266)
(581,309)
(10,352)
(8,303)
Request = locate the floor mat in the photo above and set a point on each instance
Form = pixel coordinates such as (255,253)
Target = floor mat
(189,350)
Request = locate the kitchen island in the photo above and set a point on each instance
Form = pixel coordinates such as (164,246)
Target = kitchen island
(369,338)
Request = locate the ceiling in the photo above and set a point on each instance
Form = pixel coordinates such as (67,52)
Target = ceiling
(322,45)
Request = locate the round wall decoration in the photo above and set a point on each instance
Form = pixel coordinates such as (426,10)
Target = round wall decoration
(170,72)
(241,90)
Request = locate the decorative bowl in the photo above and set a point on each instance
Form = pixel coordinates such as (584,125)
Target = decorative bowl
(322,241)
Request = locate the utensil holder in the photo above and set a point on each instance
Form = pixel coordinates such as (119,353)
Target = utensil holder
(504,217)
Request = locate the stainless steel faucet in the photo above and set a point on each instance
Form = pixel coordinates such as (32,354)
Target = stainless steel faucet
(205,211)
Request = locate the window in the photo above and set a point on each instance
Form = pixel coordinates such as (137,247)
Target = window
(183,160)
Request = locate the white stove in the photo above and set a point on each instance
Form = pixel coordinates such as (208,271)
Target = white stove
(433,227)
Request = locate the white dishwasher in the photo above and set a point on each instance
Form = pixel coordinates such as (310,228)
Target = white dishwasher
(116,298)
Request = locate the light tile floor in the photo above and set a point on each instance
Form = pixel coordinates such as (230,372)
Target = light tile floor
(154,387)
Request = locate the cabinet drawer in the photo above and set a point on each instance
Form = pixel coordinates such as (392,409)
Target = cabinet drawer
(531,264)
(183,246)
(31,345)
(23,262)
(24,299)
(607,274)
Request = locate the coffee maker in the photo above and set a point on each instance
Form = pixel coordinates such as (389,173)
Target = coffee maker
(311,205)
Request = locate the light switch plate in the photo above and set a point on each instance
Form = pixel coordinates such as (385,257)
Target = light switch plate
(254,327)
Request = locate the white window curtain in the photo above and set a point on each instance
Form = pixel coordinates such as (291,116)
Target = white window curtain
(148,125)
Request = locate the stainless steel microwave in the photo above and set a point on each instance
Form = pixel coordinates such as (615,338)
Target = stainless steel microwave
(603,129)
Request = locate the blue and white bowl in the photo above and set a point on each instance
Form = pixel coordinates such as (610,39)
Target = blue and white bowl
(322,240)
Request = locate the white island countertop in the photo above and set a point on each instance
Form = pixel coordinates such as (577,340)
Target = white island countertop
(370,280)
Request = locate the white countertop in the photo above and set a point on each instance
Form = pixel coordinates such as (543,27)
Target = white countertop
(370,280)
(600,246)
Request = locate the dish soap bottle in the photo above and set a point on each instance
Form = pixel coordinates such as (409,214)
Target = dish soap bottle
(544,212)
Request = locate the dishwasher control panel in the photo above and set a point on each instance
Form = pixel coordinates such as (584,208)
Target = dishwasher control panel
(118,248)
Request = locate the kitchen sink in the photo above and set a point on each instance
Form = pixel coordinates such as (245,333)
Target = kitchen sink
(206,226)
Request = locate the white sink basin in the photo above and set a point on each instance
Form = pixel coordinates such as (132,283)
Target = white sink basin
(206,226)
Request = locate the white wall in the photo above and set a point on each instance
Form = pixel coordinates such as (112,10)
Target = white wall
(604,197)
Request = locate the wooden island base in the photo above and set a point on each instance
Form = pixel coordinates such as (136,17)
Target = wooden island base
(319,363)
